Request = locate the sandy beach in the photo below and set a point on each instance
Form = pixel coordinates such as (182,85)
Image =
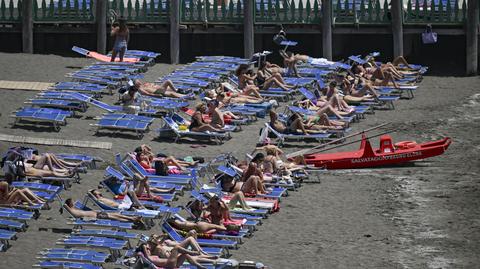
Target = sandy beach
(425,215)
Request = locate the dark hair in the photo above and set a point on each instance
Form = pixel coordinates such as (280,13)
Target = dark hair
(241,69)
(138,149)
(258,157)
(68,201)
(333,84)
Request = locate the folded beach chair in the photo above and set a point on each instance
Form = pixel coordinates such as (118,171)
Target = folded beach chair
(172,128)
(56,117)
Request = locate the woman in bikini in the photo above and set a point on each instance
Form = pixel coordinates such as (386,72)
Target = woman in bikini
(265,80)
(78,213)
(246,81)
(197,123)
(13,196)
(121,35)
(252,185)
(170,254)
(166,89)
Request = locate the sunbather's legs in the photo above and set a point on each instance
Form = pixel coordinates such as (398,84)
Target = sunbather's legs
(274,81)
(31,171)
(173,94)
(301,57)
(253,185)
(17,197)
(61,163)
(238,198)
(119,217)
(400,60)
(297,124)
(251,89)
(28,193)
(168,84)
(205,128)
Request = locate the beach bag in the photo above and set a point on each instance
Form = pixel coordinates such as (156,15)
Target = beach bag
(429,37)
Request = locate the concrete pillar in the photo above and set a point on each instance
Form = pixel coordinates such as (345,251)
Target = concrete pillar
(248,21)
(397,27)
(327,29)
(174,31)
(101,22)
(472,37)
(27,26)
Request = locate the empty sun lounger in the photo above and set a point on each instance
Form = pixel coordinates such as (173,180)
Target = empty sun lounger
(139,127)
(56,117)
(62,264)
(5,237)
(109,244)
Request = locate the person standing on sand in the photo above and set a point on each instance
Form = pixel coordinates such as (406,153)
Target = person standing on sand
(121,35)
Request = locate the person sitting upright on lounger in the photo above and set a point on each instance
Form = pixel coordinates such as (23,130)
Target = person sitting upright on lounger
(13,196)
(197,123)
(129,100)
(246,81)
(165,89)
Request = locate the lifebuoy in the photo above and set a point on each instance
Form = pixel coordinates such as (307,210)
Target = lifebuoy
(405,144)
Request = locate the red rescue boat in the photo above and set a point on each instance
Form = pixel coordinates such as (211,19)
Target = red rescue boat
(387,154)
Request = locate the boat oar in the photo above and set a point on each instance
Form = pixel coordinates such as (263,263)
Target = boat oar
(342,145)
(307,151)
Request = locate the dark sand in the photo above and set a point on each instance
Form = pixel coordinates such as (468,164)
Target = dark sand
(421,216)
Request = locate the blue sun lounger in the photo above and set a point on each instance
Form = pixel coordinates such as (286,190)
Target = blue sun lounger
(5,237)
(282,138)
(95,89)
(99,223)
(57,103)
(220,243)
(74,255)
(153,183)
(180,179)
(93,79)
(171,128)
(56,117)
(107,233)
(104,243)
(62,265)
(139,127)
(12,225)
(111,172)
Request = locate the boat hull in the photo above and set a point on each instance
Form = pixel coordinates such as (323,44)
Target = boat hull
(374,158)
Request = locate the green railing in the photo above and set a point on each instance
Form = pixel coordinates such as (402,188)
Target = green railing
(285,11)
(438,12)
(216,11)
(9,12)
(361,12)
(63,10)
(142,11)
(367,12)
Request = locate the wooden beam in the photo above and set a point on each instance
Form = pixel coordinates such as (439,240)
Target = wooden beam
(27,26)
(472,38)
(397,27)
(101,23)
(248,32)
(175,31)
(327,29)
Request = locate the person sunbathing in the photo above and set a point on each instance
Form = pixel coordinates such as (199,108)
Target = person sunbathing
(218,212)
(126,203)
(168,160)
(170,254)
(197,123)
(141,189)
(94,214)
(246,81)
(165,89)
(201,226)
(294,125)
(384,79)
(265,80)
(48,161)
(217,117)
(252,185)
(274,154)
(13,196)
